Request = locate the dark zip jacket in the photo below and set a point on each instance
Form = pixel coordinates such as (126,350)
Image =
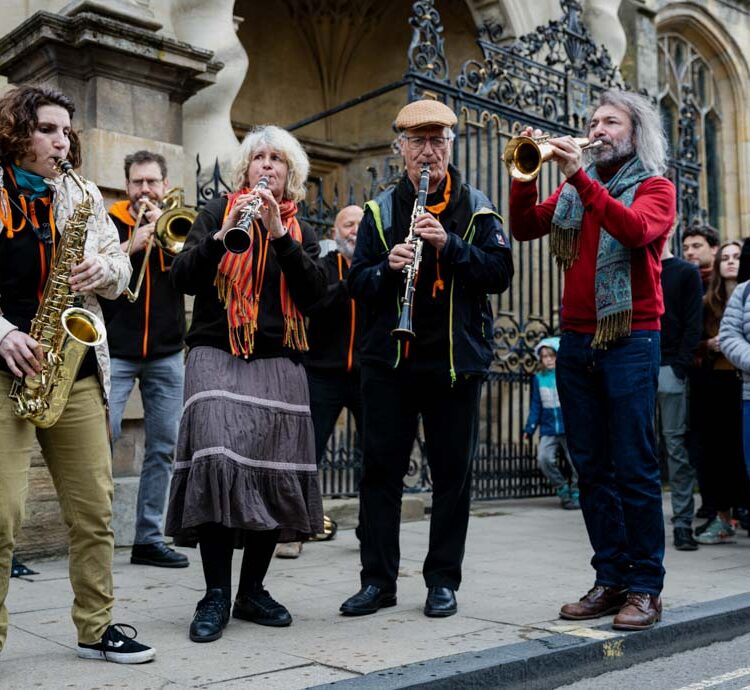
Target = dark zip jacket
(154,325)
(453,325)
(194,271)
(334,327)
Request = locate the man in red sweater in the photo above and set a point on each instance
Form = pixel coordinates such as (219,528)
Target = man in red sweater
(608,223)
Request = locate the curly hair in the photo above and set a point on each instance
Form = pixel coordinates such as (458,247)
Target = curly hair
(297,162)
(716,298)
(18,121)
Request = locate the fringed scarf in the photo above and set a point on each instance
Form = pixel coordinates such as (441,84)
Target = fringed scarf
(240,284)
(612,288)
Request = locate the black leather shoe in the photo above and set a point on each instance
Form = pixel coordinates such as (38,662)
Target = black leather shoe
(210,618)
(368,600)
(683,539)
(158,554)
(261,608)
(441,602)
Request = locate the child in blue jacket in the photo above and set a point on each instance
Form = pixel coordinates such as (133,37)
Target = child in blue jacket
(545,413)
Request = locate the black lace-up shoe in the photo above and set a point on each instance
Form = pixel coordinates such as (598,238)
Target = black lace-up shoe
(211,617)
(441,602)
(261,608)
(158,554)
(683,539)
(118,647)
(368,600)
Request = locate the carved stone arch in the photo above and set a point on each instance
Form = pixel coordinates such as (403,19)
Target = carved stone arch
(732,75)
(517,17)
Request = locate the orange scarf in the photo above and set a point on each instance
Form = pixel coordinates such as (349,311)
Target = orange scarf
(240,285)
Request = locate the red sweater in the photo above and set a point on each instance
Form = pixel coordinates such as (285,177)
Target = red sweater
(642,227)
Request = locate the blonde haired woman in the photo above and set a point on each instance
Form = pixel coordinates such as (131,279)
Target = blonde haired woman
(245,472)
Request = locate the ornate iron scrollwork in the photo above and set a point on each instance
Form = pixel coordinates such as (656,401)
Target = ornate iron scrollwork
(426,52)
(559,90)
(514,345)
(213,187)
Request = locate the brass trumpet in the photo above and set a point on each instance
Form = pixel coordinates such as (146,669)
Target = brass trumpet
(170,232)
(523,156)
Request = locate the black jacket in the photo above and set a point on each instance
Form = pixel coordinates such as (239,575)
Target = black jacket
(154,325)
(194,271)
(453,326)
(682,320)
(334,328)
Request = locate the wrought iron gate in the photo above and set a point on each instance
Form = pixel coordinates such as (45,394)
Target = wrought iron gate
(546,79)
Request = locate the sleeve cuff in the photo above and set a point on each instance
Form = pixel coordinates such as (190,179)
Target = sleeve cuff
(283,245)
(6,327)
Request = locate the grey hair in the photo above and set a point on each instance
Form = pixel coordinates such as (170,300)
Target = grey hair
(648,133)
(287,145)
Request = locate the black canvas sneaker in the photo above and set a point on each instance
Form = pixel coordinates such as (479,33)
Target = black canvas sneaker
(118,647)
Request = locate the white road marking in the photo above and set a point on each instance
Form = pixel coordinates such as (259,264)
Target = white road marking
(718,680)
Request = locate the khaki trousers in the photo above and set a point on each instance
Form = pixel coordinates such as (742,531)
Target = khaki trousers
(77,454)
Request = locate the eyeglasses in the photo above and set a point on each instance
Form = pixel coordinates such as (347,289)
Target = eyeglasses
(418,143)
(149,182)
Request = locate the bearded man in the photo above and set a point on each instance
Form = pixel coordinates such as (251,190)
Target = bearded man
(608,224)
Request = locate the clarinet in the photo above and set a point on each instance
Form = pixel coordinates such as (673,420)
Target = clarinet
(404,331)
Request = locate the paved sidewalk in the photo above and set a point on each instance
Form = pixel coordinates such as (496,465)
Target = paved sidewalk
(524,559)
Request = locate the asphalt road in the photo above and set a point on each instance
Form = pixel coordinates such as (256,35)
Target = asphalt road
(720,666)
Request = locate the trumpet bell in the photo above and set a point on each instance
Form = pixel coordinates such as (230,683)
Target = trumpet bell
(172,229)
(523,157)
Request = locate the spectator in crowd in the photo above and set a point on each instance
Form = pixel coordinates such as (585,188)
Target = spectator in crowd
(700,243)
(681,325)
(734,336)
(719,414)
(545,413)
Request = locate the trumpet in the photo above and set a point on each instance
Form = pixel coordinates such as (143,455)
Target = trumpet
(523,156)
(404,330)
(170,232)
(237,239)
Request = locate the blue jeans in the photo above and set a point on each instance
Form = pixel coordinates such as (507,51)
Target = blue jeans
(608,399)
(161,382)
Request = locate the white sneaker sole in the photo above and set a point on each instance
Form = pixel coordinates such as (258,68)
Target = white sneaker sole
(117,657)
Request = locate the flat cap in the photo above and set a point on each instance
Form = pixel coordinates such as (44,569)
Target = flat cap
(423,113)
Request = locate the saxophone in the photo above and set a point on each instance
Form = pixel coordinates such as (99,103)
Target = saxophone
(63,329)
(404,331)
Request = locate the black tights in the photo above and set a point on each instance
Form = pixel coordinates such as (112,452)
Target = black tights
(217,547)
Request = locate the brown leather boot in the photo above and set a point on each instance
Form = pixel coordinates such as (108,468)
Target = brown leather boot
(640,612)
(598,601)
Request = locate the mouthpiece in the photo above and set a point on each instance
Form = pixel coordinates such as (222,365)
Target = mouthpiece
(63,165)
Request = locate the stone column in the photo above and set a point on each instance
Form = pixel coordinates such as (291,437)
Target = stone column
(600,16)
(207,119)
(640,66)
(128,83)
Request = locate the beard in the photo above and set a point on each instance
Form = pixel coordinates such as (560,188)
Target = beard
(612,153)
(346,247)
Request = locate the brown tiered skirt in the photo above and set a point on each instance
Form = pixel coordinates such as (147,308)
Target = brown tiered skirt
(245,453)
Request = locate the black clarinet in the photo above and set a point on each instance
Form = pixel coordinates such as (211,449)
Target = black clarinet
(404,331)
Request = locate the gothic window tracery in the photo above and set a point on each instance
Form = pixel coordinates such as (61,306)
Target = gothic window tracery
(685,74)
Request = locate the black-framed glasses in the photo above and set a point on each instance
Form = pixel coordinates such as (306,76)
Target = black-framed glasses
(418,143)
